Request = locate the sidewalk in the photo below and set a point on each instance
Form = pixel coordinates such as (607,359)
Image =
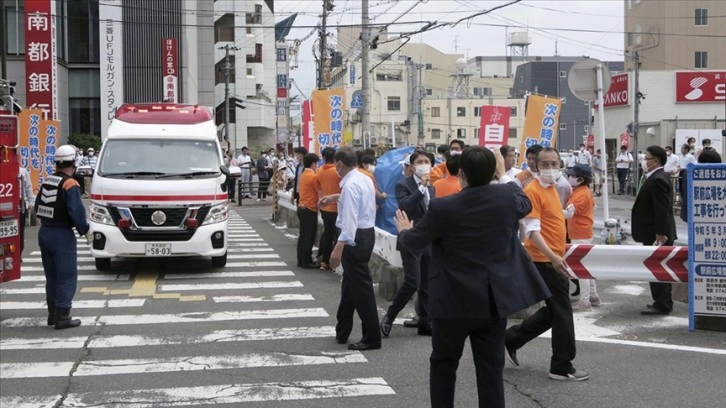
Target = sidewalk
(619,207)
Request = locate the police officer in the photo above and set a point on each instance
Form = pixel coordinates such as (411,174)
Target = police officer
(59,208)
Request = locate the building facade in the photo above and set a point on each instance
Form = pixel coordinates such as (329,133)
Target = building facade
(110,52)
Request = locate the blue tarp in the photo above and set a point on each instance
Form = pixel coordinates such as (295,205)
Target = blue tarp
(388,173)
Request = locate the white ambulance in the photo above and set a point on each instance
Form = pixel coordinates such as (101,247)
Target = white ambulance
(159,186)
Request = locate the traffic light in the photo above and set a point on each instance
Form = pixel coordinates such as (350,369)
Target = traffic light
(237,102)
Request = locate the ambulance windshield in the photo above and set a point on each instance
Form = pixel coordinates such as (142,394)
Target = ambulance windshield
(139,158)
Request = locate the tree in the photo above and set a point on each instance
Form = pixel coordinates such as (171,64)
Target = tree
(84,141)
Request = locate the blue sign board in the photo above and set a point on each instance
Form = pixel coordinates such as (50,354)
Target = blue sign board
(352,74)
(706,241)
(356,102)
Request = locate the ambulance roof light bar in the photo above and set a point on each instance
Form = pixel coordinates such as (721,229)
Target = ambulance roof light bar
(163,113)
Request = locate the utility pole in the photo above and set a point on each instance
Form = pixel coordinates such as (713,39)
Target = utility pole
(226,68)
(636,120)
(412,97)
(3,57)
(323,45)
(365,84)
(421,93)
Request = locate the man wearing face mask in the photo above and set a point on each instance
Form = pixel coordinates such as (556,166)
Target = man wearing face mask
(414,193)
(367,166)
(671,165)
(439,171)
(652,221)
(451,184)
(545,242)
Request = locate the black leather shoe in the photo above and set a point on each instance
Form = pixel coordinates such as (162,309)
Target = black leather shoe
(411,323)
(364,346)
(341,341)
(313,265)
(424,330)
(386,324)
(654,311)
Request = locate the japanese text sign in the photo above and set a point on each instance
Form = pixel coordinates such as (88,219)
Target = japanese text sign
(701,86)
(38,141)
(328,118)
(617,94)
(541,123)
(40,57)
(170,70)
(707,240)
(111,64)
(494,126)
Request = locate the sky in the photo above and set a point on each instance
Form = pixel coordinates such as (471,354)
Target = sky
(592,28)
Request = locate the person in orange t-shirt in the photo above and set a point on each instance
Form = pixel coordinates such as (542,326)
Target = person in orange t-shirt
(580,214)
(327,182)
(307,211)
(439,171)
(546,235)
(367,166)
(449,185)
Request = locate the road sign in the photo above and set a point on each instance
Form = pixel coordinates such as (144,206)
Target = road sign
(582,79)
(356,102)
(352,74)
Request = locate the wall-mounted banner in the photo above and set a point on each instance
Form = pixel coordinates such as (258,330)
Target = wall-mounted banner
(328,118)
(541,123)
(41,85)
(617,94)
(112,62)
(307,125)
(701,86)
(170,70)
(38,141)
(494,126)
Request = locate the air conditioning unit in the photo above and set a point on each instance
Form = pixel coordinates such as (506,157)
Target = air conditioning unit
(373,141)
(390,141)
(356,142)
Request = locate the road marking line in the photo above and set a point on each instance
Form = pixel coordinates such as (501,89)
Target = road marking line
(214,275)
(193,317)
(247,244)
(227,286)
(174,364)
(77,304)
(30,402)
(254,256)
(216,336)
(192,298)
(272,298)
(250,249)
(232,239)
(260,264)
(41,278)
(237,394)
(86,267)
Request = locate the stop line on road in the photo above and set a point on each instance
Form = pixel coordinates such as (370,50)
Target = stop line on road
(253,267)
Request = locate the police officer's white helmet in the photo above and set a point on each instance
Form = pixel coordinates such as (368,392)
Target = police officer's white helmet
(65,153)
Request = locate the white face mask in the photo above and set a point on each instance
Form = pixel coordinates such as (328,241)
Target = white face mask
(454,152)
(549,175)
(644,165)
(573,181)
(422,169)
(371,168)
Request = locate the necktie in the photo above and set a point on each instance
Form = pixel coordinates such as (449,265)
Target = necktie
(426,198)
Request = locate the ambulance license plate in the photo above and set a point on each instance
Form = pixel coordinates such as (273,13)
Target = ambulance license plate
(8,228)
(158,249)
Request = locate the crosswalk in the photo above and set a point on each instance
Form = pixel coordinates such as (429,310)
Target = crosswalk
(257,336)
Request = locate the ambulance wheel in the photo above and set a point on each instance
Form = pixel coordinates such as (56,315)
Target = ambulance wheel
(219,261)
(103,264)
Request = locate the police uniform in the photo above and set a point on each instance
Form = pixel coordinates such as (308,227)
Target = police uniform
(59,208)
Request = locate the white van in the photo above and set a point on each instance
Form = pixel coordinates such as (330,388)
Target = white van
(159,186)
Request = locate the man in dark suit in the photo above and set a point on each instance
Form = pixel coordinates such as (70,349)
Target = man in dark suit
(414,193)
(480,273)
(652,220)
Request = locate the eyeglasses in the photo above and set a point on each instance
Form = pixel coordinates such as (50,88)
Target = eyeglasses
(649,158)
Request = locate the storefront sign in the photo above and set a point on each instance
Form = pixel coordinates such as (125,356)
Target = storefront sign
(41,84)
(618,93)
(170,58)
(701,86)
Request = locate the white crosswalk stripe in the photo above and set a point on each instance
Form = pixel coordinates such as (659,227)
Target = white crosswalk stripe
(255,300)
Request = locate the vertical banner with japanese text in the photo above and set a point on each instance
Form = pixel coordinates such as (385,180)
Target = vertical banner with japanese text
(112,63)
(541,123)
(494,127)
(41,85)
(328,118)
(307,121)
(169,69)
(38,141)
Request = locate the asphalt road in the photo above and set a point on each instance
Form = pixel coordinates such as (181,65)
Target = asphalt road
(259,332)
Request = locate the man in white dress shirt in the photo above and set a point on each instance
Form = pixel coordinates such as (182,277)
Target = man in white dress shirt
(356,221)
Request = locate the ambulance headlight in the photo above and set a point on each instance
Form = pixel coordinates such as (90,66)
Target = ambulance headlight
(217,213)
(99,214)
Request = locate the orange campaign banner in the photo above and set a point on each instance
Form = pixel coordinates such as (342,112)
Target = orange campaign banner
(328,119)
(38,141)
(541,122)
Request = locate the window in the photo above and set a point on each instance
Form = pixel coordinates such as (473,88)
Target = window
(429,67)
(258,54)
(436,133)
(563,74)
(630,39)
(255,18)
(219,69)
(563,126)
(224,28)
(83,32)
(480,91)
(476,133)
(461,133)
(512,133)
(249,71)
(461,112)
(15,31)
(701,17)
(248,30)
(394,103)
(638,30)
(435,112)
(389,76)
(84,101)
(586,128)
(477,111)
(701,59)
(513,112)
(429,91)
